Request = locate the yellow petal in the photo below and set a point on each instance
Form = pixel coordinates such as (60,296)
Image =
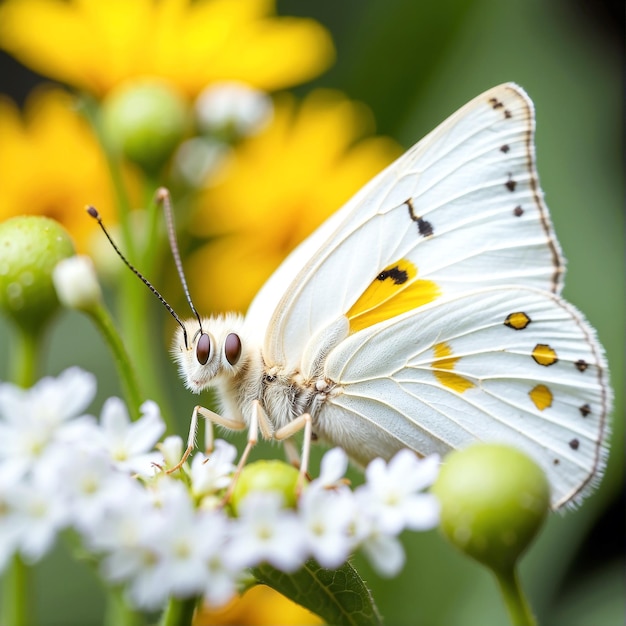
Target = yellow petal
(95,45)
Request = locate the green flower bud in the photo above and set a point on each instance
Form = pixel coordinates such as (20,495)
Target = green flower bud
(30,248)
(271,475)
(145,121)
(493,501)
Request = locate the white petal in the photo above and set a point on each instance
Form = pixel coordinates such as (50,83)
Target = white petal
(333,466)
(385,553)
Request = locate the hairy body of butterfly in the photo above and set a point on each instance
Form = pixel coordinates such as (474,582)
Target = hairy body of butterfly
(424,314)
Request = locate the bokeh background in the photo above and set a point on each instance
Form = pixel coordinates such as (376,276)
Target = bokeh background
(413,63)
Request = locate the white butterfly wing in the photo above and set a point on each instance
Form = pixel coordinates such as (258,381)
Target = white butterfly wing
(430,301)
(510,364)
(463,208)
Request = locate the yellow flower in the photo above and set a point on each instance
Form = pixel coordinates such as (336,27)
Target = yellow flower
(51,164)
(276,188)
(258,606)
(95,45)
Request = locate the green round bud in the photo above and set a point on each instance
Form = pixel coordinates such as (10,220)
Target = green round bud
(493,501)
(266,476)
(145,121)
(30,248)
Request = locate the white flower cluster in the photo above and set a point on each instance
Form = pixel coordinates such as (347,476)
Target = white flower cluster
(166,535)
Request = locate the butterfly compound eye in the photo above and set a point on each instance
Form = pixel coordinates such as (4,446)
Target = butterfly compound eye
(203,349)
(232,348)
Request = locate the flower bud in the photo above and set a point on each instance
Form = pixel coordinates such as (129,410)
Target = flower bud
(266,476)
(232,110)
(145,121)
(30,248)
(76,283)
(493,501)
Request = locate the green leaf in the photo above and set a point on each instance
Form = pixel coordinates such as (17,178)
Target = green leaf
(340,596)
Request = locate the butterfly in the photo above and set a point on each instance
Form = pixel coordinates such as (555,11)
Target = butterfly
(424,314)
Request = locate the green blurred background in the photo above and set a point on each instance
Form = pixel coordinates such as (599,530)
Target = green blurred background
(414,63)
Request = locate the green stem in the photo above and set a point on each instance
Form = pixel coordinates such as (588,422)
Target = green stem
(127,375)
(117,611)
(135,306)
(16,608)
(24,357)
(16,605)
(179,612)
(91,111)
(518,608)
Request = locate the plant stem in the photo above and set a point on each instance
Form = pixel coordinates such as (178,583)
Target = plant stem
(24,358)
(16,606)
(179,612)
(127,375)
(516,603)
(16,609)
(134,310)
(118,613)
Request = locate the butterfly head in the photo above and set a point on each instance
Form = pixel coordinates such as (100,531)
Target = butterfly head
(209,351)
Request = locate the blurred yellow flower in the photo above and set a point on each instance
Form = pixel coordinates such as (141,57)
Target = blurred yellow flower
(51,164)
(275,189)
(258,606)
(95,45)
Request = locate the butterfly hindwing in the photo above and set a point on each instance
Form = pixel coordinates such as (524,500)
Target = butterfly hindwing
(514,365)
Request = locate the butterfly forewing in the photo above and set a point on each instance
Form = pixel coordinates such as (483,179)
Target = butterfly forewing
(463,207)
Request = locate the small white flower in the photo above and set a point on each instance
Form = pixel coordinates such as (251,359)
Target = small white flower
(130,444)
(233,104)
(129,517)
(189,546)
(127,537)
(38,512)
(51,401)
(266,531)
(222,580)
(31,420)
(327,517)
(177,544)
(213,473)
(76,283)
(391,493)
(90,485)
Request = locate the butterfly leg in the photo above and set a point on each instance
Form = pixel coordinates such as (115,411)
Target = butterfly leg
(300,423)
(291,452)
(212,418)
(258,421)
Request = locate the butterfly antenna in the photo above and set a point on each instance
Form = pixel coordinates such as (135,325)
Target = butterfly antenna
(163,196)
(94,213)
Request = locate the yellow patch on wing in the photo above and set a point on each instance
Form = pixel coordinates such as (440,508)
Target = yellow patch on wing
(544,355)
(517,321)
(541,397)
(443,365)
(394,291)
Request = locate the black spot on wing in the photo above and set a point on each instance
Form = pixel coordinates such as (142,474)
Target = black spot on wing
(424,227)
(511,183)
(398,276)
